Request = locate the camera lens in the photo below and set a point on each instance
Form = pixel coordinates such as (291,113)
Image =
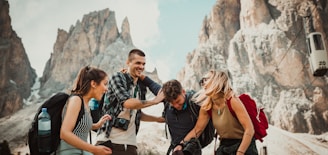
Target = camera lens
(122,121)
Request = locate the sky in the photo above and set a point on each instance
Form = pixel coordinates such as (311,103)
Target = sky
(166,30)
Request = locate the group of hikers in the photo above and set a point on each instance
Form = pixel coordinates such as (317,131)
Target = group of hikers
(126,90)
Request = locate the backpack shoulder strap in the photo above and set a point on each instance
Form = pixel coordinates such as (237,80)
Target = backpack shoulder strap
(142,87)
(143,90)
(209,112)
(241,97)
(128,79)
(230,107)
(81,113)
(193,106)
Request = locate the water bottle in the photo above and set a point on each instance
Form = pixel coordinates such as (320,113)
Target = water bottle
(264,151)
(95,113)
(93,104)
(44,131)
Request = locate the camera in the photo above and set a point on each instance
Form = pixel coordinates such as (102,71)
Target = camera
(192,147)
(121,123)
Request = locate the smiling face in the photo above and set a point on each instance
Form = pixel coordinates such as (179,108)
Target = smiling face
(205,80)
(91,82)
(217,83)
(174,94)
(136,65)
(99,89)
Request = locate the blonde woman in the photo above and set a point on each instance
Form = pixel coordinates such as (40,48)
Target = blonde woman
(235,134)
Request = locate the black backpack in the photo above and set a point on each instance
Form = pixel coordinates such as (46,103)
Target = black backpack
(208,134)
(54,106)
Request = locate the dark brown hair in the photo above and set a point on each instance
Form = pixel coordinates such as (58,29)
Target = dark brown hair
(172,89)
(137,52)
(83,80)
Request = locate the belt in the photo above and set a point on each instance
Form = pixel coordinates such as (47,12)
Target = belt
(123,146)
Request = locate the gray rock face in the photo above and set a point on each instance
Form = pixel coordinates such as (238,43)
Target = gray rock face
(17,75)
(95,41)
(262,43)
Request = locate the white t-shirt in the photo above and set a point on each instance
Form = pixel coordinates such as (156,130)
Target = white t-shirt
(119,136)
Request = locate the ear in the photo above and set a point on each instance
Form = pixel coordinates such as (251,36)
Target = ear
(93,84)
(183,91)
(127,62)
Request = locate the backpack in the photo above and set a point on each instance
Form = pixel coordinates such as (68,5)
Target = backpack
(96,113)
(257,115)
(54,106)
(208,134)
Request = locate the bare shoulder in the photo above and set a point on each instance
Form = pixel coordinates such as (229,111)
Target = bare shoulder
(74,101)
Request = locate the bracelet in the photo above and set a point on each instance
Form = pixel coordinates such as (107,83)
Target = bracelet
(241,152)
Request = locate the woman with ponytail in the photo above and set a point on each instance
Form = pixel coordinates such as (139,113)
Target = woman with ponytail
(90,83)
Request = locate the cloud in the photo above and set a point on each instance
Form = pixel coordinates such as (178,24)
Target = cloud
(167,66)
(143,16)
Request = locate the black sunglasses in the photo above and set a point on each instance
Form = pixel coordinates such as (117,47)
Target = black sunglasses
(202,81)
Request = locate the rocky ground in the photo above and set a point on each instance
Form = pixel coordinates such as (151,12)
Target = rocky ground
(152,140)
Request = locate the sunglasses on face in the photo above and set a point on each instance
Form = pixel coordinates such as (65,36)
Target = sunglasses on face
(203,80)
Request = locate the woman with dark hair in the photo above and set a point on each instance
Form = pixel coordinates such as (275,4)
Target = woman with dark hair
(90,83)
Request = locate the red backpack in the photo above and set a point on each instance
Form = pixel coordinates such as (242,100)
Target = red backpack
(259,120)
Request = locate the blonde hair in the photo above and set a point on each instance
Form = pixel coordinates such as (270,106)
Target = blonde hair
(217,85)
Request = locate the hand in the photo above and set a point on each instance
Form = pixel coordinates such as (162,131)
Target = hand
(103,119)
(160,120)
(177,148)
(142,77)
(124,70)
(160,90)
(160,97)
(102,150)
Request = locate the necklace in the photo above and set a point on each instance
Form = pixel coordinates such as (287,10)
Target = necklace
(220,110)
(217,105)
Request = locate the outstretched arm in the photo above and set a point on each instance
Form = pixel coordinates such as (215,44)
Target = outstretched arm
(150,118)
(245,121)
(134,103)
(67,127)
(152,85)
(203,119)
(119,85)
(101,121)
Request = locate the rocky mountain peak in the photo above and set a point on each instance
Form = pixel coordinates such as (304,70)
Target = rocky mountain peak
(17,75)
(125,33)
(95,41)
(262,43)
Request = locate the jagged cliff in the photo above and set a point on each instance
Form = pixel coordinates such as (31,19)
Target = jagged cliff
(262,43)
(17,75)
(93,41)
